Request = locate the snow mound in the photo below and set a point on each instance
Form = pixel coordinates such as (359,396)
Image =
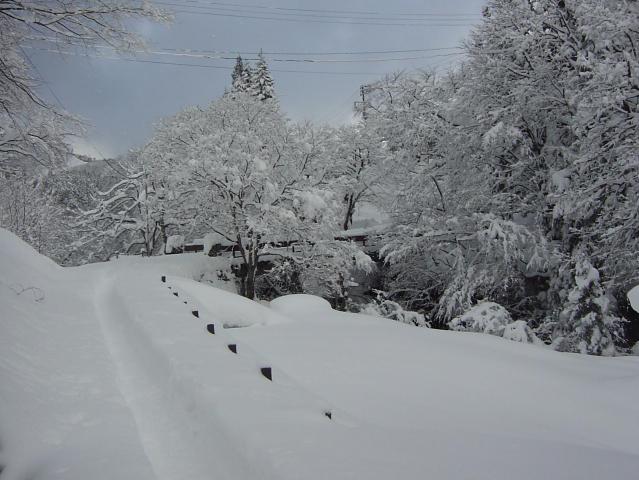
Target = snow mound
(300,305)
(485,317)
(21,263)
(633,296)
(519,331)
(25,275)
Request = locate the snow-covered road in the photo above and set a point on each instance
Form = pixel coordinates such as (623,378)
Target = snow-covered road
(105,373)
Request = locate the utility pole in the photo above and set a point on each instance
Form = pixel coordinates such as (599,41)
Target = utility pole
(363,90)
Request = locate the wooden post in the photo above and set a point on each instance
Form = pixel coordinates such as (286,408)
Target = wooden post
(266,371)
(329,415)
(232,347)
(211,328)
(195,313)
(163,278)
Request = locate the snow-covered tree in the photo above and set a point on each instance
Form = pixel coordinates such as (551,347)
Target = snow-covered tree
(247,78)
(123,213)
(586,324)
(255,179)
(238,77)
(136,214)
(383,307)
(360,168)
(256,81)
(262,85)
(532,136)
(29,210)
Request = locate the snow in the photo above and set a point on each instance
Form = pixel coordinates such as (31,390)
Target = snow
(174,242)
(213,238)
(485,317)
(110,375)
(62,415)
(561,179)
(633,297)
(300,306)
(519,331)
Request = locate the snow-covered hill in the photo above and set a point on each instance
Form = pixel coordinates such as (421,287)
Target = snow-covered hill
(105,373)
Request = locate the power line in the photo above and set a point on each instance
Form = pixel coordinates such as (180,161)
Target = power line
(335,22)
(189,54)
(198,65)
(265,52)
(357,12)
(388,17)
(317,54)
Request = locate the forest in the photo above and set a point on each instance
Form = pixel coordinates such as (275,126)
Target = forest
(507,186)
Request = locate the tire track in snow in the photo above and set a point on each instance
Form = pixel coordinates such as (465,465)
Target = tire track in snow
(178,440)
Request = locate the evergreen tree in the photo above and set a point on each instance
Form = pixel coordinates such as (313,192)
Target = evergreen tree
(262,82)
(239,80)
(247,78)
(586,324)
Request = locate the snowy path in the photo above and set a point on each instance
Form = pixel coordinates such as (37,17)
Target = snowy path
(200,409)
(178,430)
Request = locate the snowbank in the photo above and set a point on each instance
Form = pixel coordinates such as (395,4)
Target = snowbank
(300,306)
(21,265)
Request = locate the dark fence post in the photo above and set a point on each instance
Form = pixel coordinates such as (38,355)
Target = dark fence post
(195,313)
(163,278)
(329,415)
(266,371)
(211,328)
(175,293)
(232,347)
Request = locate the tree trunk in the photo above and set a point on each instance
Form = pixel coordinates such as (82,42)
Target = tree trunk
(247,280)
(350,210)
(163,235)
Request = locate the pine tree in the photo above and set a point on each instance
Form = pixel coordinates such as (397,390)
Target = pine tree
(239,81)
(586,324)
(247,79)
(262,82)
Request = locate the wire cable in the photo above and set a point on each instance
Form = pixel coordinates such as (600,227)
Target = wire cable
(335,22)
(433,17)
(218,56)
(357,12)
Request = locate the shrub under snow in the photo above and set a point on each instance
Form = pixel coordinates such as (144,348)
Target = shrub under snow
(485,317)
(519,331)
(492,318)
(383,307)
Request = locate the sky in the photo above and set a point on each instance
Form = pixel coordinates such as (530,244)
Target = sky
(121,100)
